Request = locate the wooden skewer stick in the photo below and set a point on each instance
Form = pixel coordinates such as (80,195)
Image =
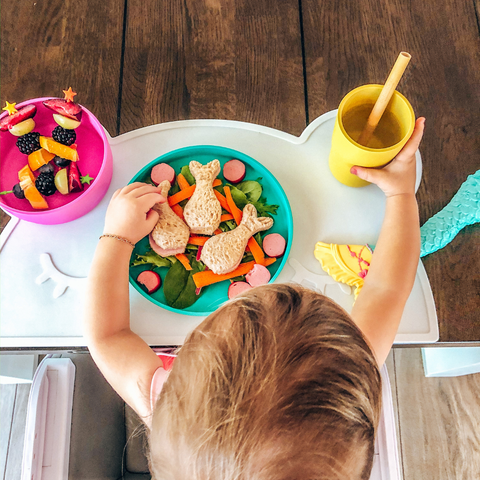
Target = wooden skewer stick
(384,97)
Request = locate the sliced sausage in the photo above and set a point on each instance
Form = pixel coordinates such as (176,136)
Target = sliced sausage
(274,245)
(258,275)
(161,172)
(236,288)
(162,251)
(234,171)
(150,280)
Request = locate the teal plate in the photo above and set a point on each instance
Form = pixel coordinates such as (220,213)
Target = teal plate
(215,295)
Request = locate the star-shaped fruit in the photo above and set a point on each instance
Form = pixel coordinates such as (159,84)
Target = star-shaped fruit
(10,108)
(69,94)
(86,178)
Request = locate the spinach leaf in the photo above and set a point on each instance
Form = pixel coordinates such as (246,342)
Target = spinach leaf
(179,287)
(227,225)
(252,190)
(239,197)
(185,171)
(263,209)
(259,239)
(153,258)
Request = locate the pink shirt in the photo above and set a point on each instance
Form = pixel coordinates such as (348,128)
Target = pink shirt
(160,376)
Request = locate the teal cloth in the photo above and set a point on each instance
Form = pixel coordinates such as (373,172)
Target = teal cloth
(464,209)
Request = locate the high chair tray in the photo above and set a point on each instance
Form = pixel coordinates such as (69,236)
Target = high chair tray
(36,314)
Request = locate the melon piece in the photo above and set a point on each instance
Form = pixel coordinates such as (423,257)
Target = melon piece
(57,148)
(23,128)
(61,181)
(66,122)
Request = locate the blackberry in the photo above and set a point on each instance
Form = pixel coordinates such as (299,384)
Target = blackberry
(45,184)
(63,135)
(17,191)
(47,168)
(61,162)
(29,142)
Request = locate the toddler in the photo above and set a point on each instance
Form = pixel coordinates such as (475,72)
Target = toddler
(279,383)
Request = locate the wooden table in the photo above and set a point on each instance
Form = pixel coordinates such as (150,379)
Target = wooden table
(275,63)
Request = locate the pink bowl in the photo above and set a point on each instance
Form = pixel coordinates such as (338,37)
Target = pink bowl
(95,159)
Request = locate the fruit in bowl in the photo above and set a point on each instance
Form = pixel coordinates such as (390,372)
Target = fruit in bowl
(68,139)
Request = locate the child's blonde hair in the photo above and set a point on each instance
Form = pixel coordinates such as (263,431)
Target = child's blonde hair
(277,384)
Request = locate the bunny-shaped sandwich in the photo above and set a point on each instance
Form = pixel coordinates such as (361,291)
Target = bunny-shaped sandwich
(223,253)
(203,211)
(170,233)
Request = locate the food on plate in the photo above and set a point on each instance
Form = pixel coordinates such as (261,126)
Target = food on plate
(47,168)
(150,280)
(38,158)
(258,275)
(58,149)
(345,263)
(223,253)
(66,122)
(45,184)
(27,184)
(170,234)
(274,245)
(28,143)
(74,182)
(64,136)
(203,211)
(234,171)
(18,122)
(161,172)
(61,181)
(61,162)
(68,109)
(236,288)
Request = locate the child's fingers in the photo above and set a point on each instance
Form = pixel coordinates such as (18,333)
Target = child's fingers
(144,190)
(148,200)
(371,175)
(152,219)
(414,141)
(133,186)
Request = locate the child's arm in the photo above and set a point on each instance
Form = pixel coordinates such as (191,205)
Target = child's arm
(379,307)
(125,360)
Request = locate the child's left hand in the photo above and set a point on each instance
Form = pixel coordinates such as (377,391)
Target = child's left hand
(130,213)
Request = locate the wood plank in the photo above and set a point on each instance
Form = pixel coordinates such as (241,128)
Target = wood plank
(440,421)
(390,363)
(232,59)
(13,468)
(7,403)
(348,44)
(48,46)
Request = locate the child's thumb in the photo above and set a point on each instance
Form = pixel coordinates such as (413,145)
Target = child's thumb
(368,174)
(152,218)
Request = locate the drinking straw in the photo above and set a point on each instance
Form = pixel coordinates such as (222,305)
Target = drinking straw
(384,97)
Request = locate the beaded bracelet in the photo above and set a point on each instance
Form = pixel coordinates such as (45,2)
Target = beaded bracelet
(118,238)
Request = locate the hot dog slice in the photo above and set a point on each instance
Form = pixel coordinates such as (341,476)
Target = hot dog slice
(161,172)
(274,245)
(236,288)
(258,275)
(150,280)
(234,171)
(162,251)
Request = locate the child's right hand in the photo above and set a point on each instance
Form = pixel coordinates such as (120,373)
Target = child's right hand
(397,177)
(130,213)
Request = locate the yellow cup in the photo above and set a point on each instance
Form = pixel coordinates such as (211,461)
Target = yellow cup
(394,129)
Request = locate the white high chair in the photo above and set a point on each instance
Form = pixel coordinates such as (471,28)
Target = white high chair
(78,428)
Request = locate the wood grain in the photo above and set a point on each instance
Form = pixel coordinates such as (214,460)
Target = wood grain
(13,467)
(47,46)
(348,44)
(7,403)
(232,59)
(439,419)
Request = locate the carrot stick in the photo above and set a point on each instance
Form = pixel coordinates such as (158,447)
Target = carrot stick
(268,261)
(181,195)
(178,210)
(182,182)
(197,240)
(236,212)
(183,259)
(227,216)
(222,200)
(256,250)
(217,231)
(202,279)
(188,192)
